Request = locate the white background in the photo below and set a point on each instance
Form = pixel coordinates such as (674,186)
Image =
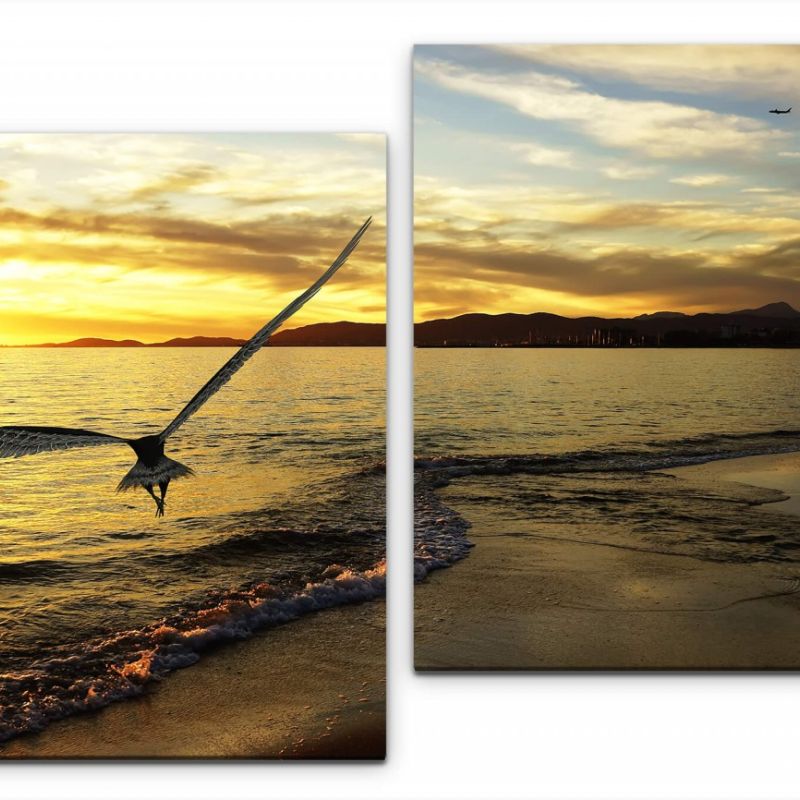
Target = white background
(347,66)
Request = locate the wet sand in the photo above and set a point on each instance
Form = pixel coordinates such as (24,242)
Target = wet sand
(314,688)
(781,472)
(538,602)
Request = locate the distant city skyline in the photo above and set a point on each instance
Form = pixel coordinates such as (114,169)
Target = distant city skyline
(155,236)
(605,180)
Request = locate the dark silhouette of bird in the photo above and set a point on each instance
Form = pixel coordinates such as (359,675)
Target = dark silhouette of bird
(778,111)
(152,467)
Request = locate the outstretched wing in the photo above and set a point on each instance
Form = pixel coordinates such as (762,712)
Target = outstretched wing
(253,345)
(25,440)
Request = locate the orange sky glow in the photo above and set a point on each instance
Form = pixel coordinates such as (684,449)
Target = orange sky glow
(152,236)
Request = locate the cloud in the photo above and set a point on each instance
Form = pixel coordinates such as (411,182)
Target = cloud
(781,259)
(111,150)
(496,254)
(286,250)
(628,215)
(651,278)
(655,128)
(147,184)
(759,190)
(762,71)
(541,156)
(683,216)
(497,207)
(789,154)
(700,181)
(116,171)
(493,212)
(181,180)
(626,172)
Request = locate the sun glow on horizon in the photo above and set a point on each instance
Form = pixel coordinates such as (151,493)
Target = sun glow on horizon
(152,236)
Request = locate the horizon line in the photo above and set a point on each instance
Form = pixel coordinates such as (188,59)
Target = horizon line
(607,315)
(162,343)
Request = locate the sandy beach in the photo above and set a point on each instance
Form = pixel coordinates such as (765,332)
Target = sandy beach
(314,688)
(528,601)
(781,472)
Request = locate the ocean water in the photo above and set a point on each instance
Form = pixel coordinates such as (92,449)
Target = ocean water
(284,516)
(570,442)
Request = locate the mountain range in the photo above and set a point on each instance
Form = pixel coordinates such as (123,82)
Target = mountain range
(323,334)
(772,324)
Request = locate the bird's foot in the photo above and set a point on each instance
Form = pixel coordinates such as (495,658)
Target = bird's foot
(160,508)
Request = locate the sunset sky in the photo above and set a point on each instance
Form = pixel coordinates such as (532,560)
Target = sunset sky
(151,236)
(612,180)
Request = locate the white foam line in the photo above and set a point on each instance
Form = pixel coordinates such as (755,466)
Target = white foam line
(174,648)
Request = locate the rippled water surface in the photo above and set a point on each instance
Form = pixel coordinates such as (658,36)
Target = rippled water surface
(494,400)
(284,515)
(570,443)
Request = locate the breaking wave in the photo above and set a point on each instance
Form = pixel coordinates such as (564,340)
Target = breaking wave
(215,580)
(120,666)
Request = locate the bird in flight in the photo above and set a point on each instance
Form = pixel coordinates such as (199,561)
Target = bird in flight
(778,111)
(152,467)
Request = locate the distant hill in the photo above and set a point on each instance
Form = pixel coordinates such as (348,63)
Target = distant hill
(662,315)
(333,334)
(201,341)
(775,310)
(776,324)
(92,342)
(323,334)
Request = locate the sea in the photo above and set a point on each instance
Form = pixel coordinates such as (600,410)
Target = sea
(572,443)
(285,515)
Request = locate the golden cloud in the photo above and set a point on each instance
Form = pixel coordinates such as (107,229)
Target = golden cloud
(656,128)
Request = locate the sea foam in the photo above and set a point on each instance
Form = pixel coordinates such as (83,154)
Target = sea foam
(126,662)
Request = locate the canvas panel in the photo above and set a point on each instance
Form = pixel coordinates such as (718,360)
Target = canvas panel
(606,408)
(208,606)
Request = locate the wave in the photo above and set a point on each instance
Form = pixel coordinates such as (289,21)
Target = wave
(34,570)
(597,491)
(658,455)
(440,533)
(121,666)
(308,549)
(319,548)
(341,520)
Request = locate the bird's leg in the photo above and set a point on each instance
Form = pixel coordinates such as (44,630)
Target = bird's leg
(163,486)
(159,501)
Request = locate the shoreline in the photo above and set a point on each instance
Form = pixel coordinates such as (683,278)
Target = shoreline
(780,471)
(310,689)
(524,600)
